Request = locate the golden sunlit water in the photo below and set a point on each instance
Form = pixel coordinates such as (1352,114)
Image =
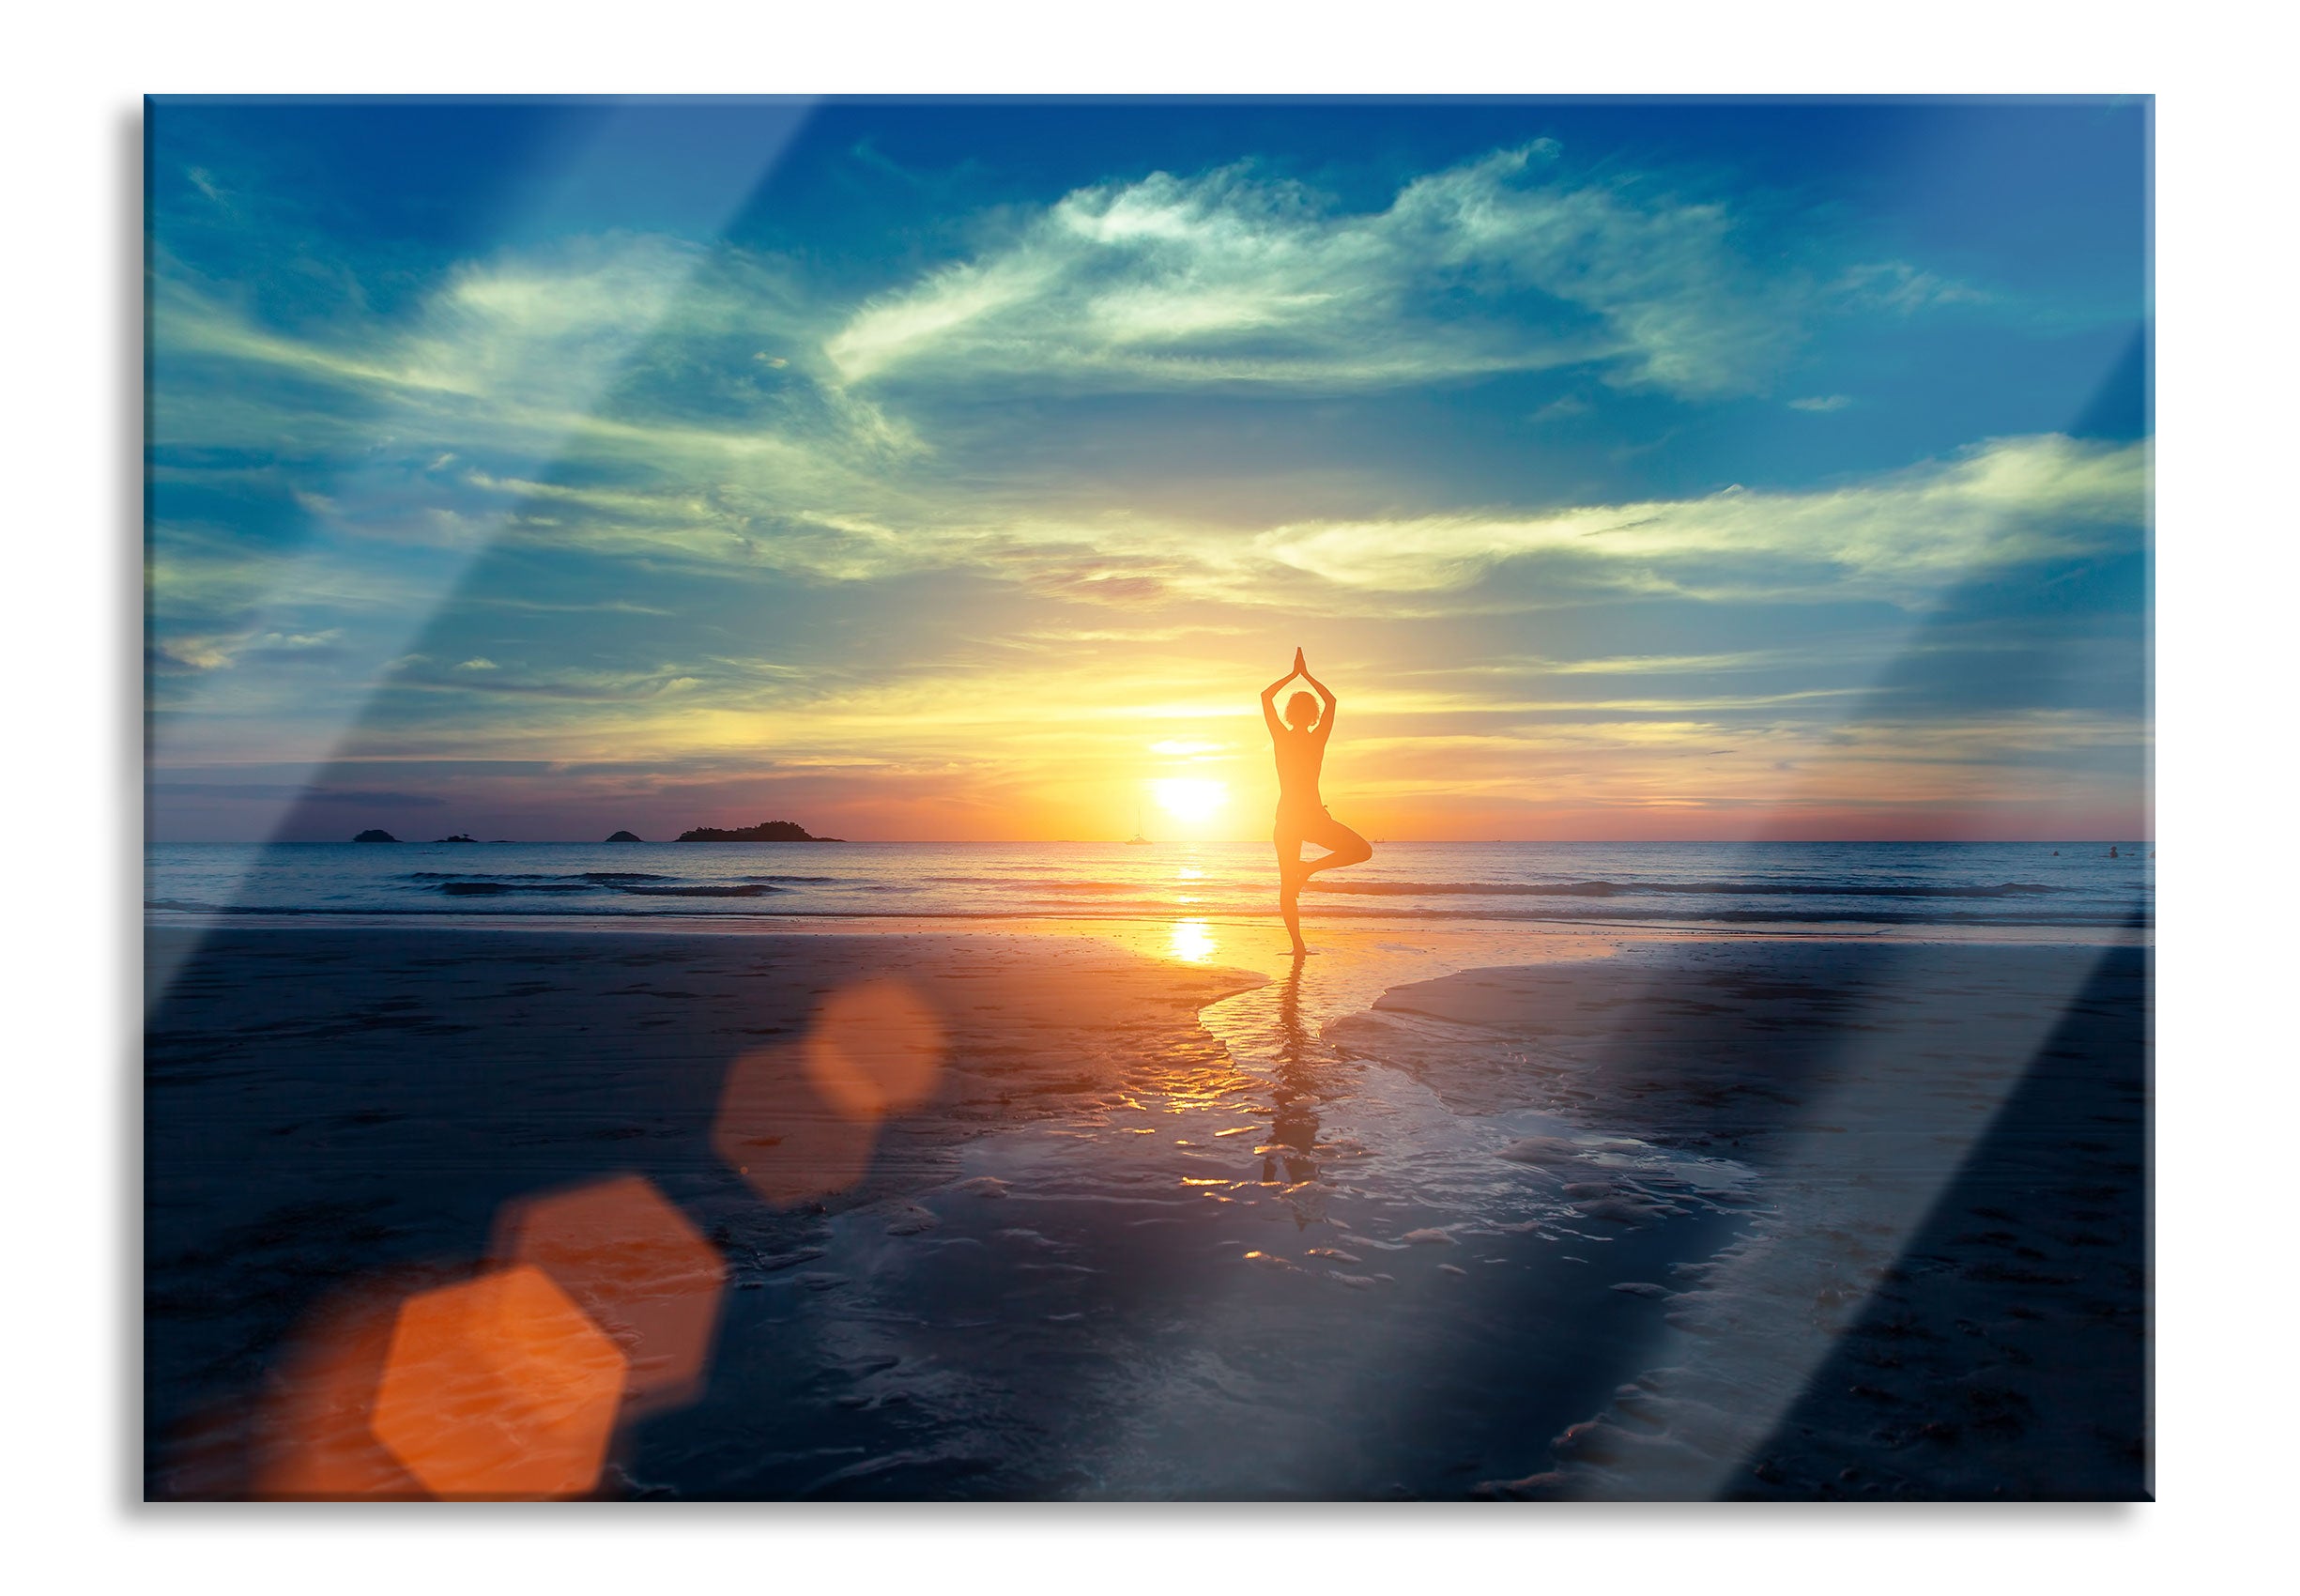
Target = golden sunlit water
(1192,943)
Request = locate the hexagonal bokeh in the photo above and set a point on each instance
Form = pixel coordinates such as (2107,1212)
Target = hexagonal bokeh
(875,1048)
(500,1387)
(774,1129)
(632,1261)
(312,1435)
(801,1121)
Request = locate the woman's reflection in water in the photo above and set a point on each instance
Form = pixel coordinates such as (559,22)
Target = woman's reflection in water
(1293,1135)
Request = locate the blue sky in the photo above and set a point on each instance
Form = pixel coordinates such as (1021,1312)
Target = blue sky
(955,469)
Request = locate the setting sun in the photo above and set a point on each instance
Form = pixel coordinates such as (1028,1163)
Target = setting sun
(1191,798)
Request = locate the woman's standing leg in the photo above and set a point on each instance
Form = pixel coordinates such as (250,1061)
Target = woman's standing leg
(1290,877)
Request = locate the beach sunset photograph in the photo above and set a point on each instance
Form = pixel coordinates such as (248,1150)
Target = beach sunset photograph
(1438,799)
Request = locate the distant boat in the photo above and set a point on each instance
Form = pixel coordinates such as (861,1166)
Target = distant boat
(1138,840)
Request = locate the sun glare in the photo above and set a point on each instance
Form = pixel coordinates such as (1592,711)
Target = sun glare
(1191,798)
(1192,943)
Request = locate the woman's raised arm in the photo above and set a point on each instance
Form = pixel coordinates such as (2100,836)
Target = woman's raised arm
(1269,695)
(1325,716)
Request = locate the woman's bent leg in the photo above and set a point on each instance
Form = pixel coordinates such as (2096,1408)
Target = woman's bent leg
(1344,847)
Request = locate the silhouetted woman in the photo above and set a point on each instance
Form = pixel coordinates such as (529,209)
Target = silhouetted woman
(1300,744)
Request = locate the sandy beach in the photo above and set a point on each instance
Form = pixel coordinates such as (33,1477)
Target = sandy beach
(1541,1213)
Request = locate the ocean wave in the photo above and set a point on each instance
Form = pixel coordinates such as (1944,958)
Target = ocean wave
(1005,872)
(1674,889)
(609,876)
(2134,919)
(630,888)
(1477,889)
(820,881)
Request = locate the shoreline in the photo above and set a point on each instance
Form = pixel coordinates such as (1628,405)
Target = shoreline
(1846,925)
(2097,933)
(1797,888)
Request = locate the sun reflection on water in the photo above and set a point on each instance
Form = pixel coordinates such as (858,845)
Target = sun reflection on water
(1193,944)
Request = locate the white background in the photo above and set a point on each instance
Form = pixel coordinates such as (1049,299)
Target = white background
(70,1429)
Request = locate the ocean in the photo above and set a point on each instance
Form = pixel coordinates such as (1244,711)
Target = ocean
(1839,884)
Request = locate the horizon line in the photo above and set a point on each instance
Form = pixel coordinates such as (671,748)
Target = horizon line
(1155,842)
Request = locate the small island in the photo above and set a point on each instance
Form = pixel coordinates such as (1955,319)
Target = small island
(625,836)
(377,835)
(457,837)
(765,831)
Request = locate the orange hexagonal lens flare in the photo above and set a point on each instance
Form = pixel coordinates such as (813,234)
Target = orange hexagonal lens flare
(500,1387)
(314,1439)
(632,1261)
(875,1048)
(774,1129)
(801,1122)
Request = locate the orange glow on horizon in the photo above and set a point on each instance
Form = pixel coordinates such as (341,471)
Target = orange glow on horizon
(1141,740)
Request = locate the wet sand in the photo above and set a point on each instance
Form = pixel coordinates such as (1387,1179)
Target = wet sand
(1171,1220)
(1944,1293)
(326,1109)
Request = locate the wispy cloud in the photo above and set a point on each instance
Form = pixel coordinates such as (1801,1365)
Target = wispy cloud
(1501,264)
(270,791)
(1899,537)
(647,347)
(1897,285)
